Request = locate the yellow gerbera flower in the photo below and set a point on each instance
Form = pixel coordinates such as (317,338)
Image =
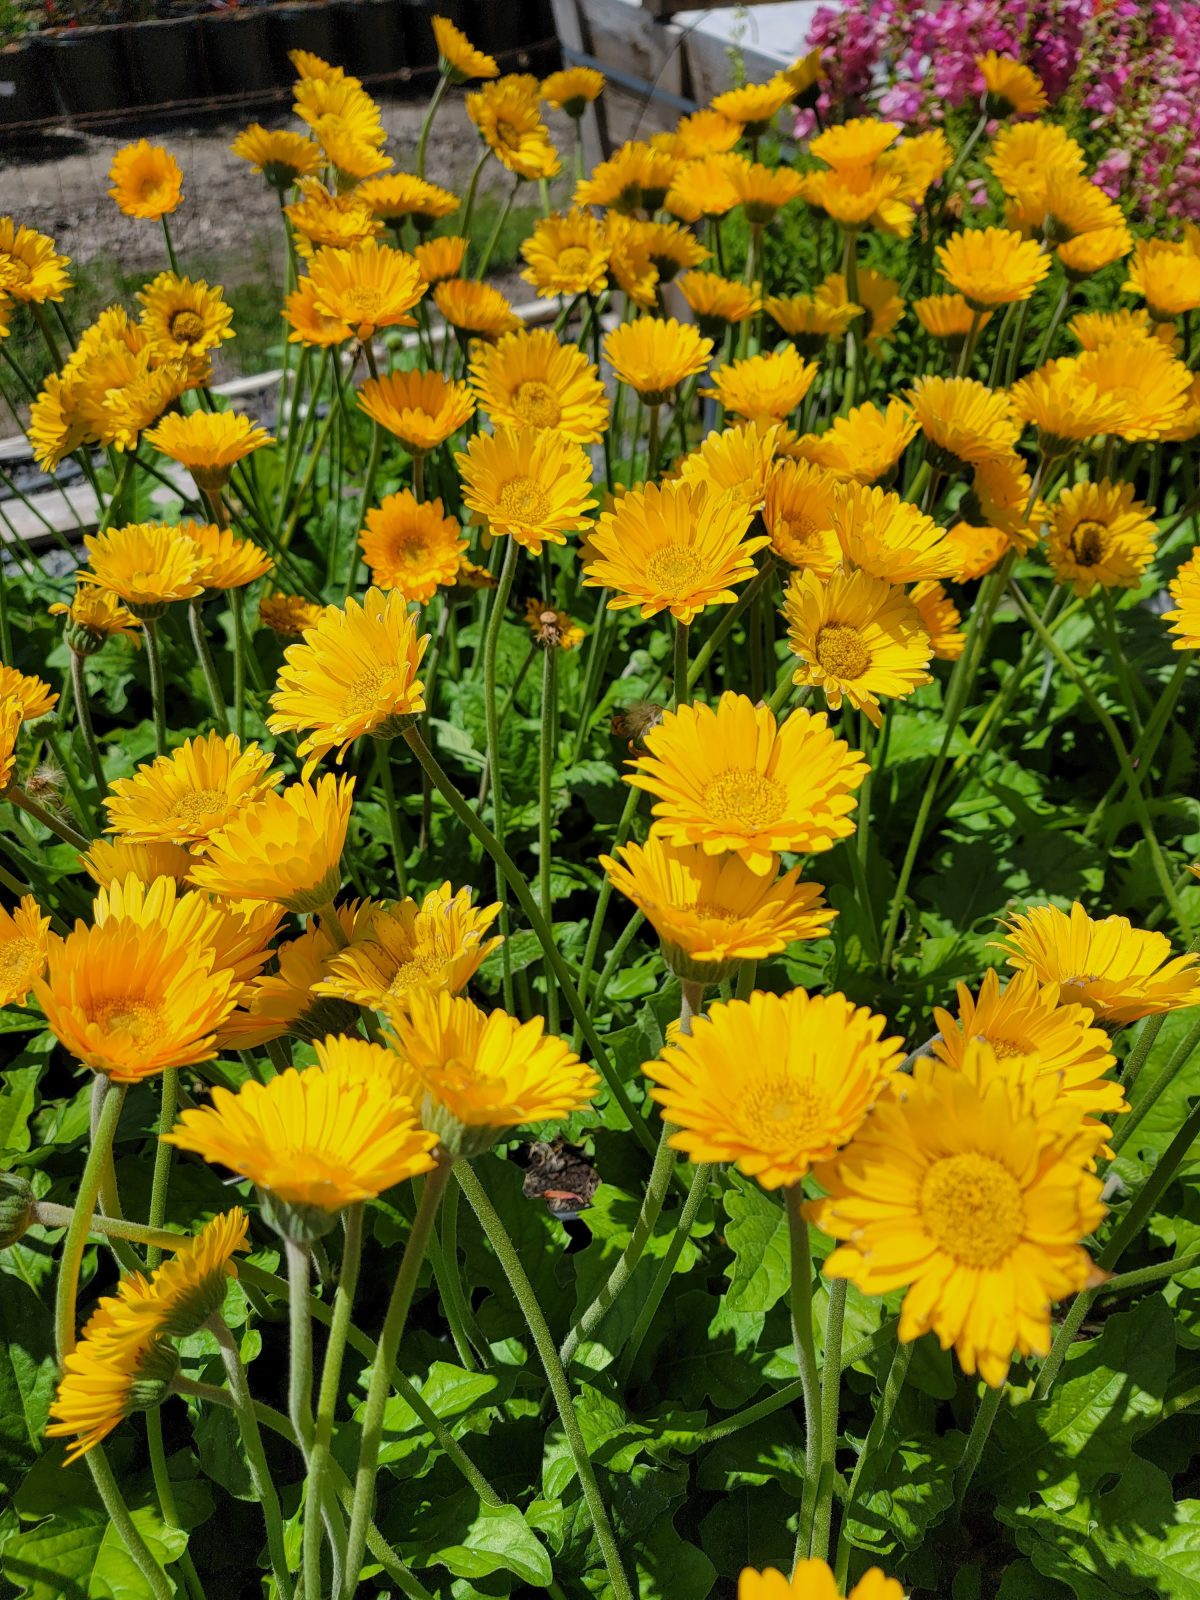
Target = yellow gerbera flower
(976,550)
(401,946)
(120,1365)
(286,846)
(227,562)
(1184,589)
(1091,252)
(476,310)
(798,516)
(654,355)
(315,1139)
(674,547)
(310,65)
(1118,971)
(482,1072)
(354,674)
(635,176)
(208,443)
(1167,276)
(963,420)
(146,179)
(1100,535)
(857,637)
(1149,386)
(718,303)
(1022,154)
(355,158)
(738,462)
(422,409)
(705,133)
(919,162)
(1064,405)
(24,946)
(370,287)
(340,104)
(31,269)
(762,191)
(767,387)
(146,564)
(1010,87)
(459,58)
(287,614)
(877,294)
(853,145)
(107,860)
(671,247)
(813,1580)
(281,156)
(948,318)
(702,187)
(566,254)
(992,266)
(410,546)
(773,1083)
(441,258)
(184,797)
(803,76)
(970,1191)
(10,728)
(343,1056)
(331,221)
(282,1003)
(401,195)
(57,424)
(1075,205)
(529,380)
(130,1000)
(858,196)
(810,322)
(573,89)
(531,483)
(754,105)
(34,697)
(511,126)
(629,262)
(866,444)
(940,618)
(888,537)
(182,319)
(93,616)
(1094,328)
(1028,1018)
(712,912)
(730,778)
(309,323)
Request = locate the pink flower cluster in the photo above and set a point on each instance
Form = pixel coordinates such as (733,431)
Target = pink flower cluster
(1128,71)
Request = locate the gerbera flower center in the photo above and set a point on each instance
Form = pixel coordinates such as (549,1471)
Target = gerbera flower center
(674,570)
(524,500)
(19,958)
(1088,543)
(143,1019)
(841,651)
(153,186)
(414,972)
(711,912)
(746,798)
(364,693)
(200,804)
(1005,1049)
(972,1206)
(536,403)
(575,258)
(186,326)
(13,270)
(784,1111)
(363,301)
(410,552)
(508,134)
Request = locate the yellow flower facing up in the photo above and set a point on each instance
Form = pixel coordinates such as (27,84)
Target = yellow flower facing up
(674,547)
(857,637)
(354,674)
(754,105)
(422,409)
(654,355)
(712,912)
(441,258)
(1118,971)
(992,266)
(566,254)
(146,179)
(948,318)
(1029,1018)
(528,379)
(317,1140)
(286,846)
(1094,328)
(1184,589)
(1167,276)
(730,778)
(971,1191)
(940,618)
(1010,88)
(762,191)
(182,319)
(478,1073)
(410,546)
(1147,385)
(511,126)
(369,287)
(401,195)
(866,444)
(798,516)
(287,614)
(1100,536)
(814,1580)
(774,1083)
(963,421)
(573,89)
(476,310)
(810,322)
(739,462)
(226,562)
(702,187)
(1064,405)
(34,697)
(281,156)
(93,616)
(344,147)
(401,946)
(888,537)
(531,483)
(146,564)
(459,57)
(31,270)
(705,133)
(208,443)
(765,387)
(184,797)
(24,945)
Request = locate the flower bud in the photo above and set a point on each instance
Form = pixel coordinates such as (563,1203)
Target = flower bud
(17,1203)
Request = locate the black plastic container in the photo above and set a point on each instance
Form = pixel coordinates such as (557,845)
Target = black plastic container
(89,69)
(26,87)
(239,50)
(303,27)
(166,61)
(375,37)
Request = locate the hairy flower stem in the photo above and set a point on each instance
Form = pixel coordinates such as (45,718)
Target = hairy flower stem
(256,1459)
(806,1360)
(331,1374)
(490,248)
(545,812)
(977,1439)
(697,1189)
(491,645)
(523,1290)
(383,765)
(520,888)
(237,606)
(831,1384)
(863,1475)
(118,1514)
(435,101)
(207,665)
(1146,748)
(385,1360)
(624,825)
(67,1291)
(679,675)
(86,726)
(158,692)
(31,807)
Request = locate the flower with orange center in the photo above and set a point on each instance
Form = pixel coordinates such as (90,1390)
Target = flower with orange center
(400,195)
(765,387)
(24,943)
(511,126)
(287,614)
(654,355)
(566,254)
(411,546)
(31,270)
(370,287)
(208,443)
(146,180)
(1100,536)
(441,258)
(798,516)
(531,483)
(528,379)
(182,319)
(475,310)
(422,409)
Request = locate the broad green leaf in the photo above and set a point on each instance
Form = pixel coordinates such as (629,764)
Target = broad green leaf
(758,1236)
(17,1101)
(78,1553)
(28,1374)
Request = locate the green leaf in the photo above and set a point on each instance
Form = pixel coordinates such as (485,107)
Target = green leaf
(758,1236)
(78,1555)
(28,1374)
(473,1541)
(17,1101)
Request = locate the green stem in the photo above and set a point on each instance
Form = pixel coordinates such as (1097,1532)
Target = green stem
(158,692)
(164,1493)
(697,1189)
(527,1299)
(385,1359)
(207,664)
(1136,1059)
(170,247)
(31,807)
(1146,748)
(679,674)
(237,605)
(1120,665)
(831,1384)
(652,442)
(494,240)
(300,1354)
(467,1338)
(256,1458)
(806,1359)
(67,1292)
(1052,326)
(383,765)
(469,203)
(435,101)
(118,1514)
(86,726)
(977,1439)
(597,653)
(632,800)
(862,1477)
(545,813)
(491,645)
